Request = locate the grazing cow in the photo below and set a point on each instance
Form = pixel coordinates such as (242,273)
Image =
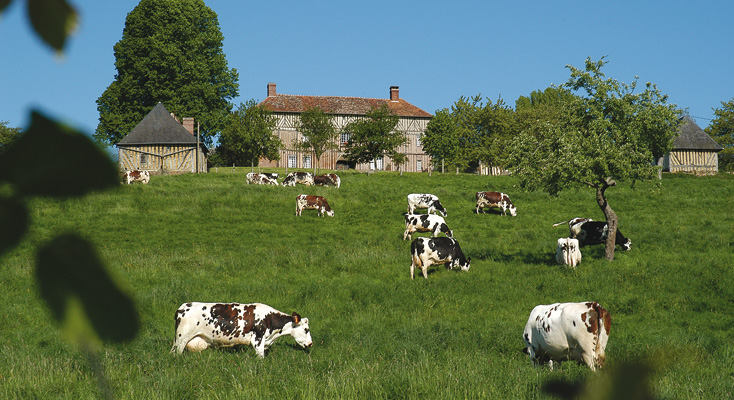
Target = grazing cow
(425,223)
(567,252)
(304,201)
(568,331)
(327,180)
(304,178)
(495,199)
(425,200)
(136,176)
(261,179)
(203,325)
(590,232)
(437,250)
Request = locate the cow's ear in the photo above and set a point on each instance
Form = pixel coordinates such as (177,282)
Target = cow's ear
(296,317)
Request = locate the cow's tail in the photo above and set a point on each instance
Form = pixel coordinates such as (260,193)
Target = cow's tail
(603,321)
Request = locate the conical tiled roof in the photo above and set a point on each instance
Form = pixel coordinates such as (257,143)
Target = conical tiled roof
(158,127)
(692,137)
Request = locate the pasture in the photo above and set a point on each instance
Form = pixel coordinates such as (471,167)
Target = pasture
(377,333)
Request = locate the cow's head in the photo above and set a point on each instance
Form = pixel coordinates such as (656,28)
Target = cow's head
(301,331)
(627,245)
(439,208)
(329,213)
(513,210)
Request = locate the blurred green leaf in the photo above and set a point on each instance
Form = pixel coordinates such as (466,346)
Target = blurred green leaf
(13,223)
(68,269)
(53,20)
(51,159)
(3,4)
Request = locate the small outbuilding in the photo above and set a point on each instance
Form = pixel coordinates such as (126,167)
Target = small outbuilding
(694,151)
(161,144)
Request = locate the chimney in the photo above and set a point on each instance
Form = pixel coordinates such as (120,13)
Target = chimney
(394,93)
(271,89)
(188,123)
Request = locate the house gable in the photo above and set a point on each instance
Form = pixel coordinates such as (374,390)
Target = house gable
(158,127)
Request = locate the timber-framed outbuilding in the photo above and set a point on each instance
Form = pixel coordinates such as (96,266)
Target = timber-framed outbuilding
(160,144)
(694,151)
(287,109)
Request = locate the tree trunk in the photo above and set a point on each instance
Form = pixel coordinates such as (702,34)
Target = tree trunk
(610,216)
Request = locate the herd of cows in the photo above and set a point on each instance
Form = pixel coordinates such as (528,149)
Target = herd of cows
(555,332)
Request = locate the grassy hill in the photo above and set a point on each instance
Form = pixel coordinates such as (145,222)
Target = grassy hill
(377,334)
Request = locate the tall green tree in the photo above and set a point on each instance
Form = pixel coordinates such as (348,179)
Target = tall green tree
(318,131)
(721,130)
(374,137)
(248,135)
(8,136)
(170,52)
(598,141)
(441,139)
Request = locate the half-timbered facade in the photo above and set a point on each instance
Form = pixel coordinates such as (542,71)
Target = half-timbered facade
(161,144)
(693,151)
(288,108)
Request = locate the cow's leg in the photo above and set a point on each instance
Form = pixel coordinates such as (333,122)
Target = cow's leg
(260,348)
(416,261)
(407,233)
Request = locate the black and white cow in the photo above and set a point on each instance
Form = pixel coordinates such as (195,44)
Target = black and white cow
(261,178)
(425,200)
(304,178)
(497,200)
(568,331)
(425,223)
(590,232)
(438,250)
(327,180)
(203,325)
(308,202)
(136,176)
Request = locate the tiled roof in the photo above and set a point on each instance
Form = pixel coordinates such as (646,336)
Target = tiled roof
(339,105)
(692,137)
(158,127)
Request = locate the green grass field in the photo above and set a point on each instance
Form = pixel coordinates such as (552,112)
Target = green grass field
(377,333)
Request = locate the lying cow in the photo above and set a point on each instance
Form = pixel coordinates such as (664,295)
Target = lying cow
(308,202)
(567,252)
(425,200)
(304,178)
(203,325)
(568,331)
(136,176)
(495,200)
(433,251)
(590,232)
(261,179)
(425,223)
(327,180)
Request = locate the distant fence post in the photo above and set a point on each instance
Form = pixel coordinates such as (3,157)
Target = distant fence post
(442,171)
(233,168)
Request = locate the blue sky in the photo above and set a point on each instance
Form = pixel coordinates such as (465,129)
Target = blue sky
(435,51)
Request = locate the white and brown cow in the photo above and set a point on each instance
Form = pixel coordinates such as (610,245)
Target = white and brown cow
(567,252)
(304,178)
(434,251)
(568,331)
(496,200)
(590,232)
(425,200)
(255,178)
(203,325)
(308,202)
(327,180)
(136,176)
(425,223)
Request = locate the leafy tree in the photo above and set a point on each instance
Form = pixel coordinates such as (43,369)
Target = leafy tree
(722,131)
(441,139)
(248,135)
(8,136)
(374,137)
(604,135)
(170,52)
(471,132)
(318,131)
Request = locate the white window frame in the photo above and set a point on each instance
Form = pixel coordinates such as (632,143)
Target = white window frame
(307,161)
(292,161)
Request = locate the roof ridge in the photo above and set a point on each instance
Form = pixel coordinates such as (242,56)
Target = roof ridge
(340,97)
